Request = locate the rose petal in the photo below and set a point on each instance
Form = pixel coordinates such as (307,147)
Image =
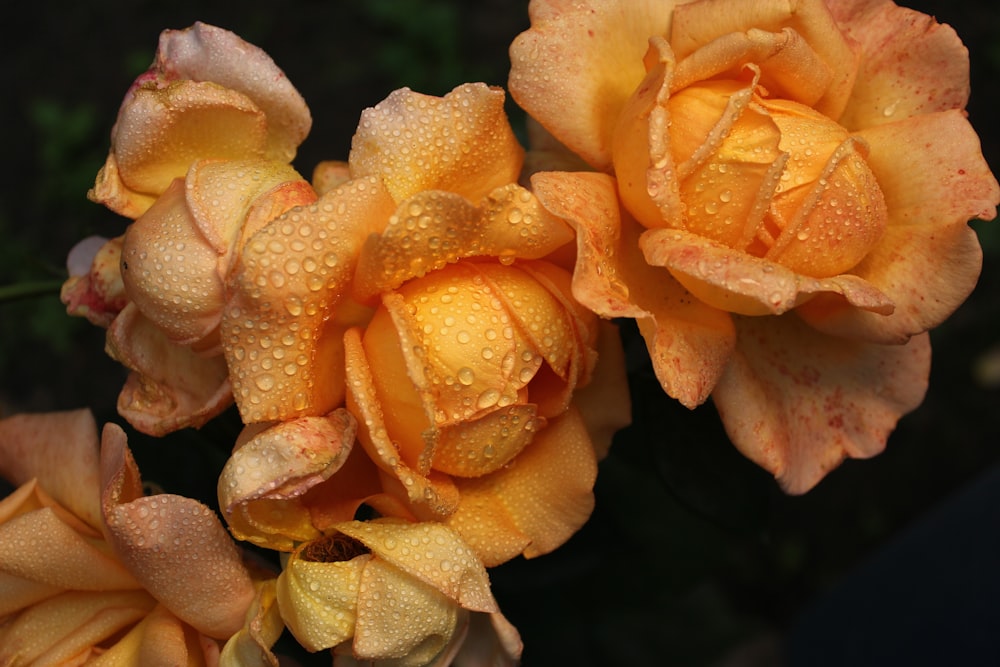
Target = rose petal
(798,402)
(174,546)
(30,443)
(474,149)
(911,63)
(98,293)
(207,53)
(579,62)
(689,342)
(319,600)
(251,646)
(536,505)
(280,330)
(170,387)
(160,640)
(604,402)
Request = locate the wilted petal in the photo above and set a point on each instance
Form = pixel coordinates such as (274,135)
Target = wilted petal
(261,486)
(170,386)
(280,330)
(536,505)
(467,132)
(30,443)
(911,65)
(174,546)
(688,341)
(579,63)
(798,402)
(94,288)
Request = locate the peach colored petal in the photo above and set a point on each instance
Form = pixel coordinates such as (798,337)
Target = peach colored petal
(736,282)
(94,290)
(319,600)
(604,402)
(280,330)
(698,23)
(174,546)
(430,552)
(491,640)
(66,627)
(536,505)
(161,131)
(251,646)
(30,444)
(480,446)
(330,174)
(579,62)
(159,640)
(261,485)
(170,386)
(910,65)
(433,229)
(689,342)
(798,402)
(207,53)
(461,143)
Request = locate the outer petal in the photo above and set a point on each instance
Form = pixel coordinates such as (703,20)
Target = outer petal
(536,505)
(170,387)
(280,331)
(207,53)
(30,446)
(473,147)
(251,646)
(174,546)
(604,402)
(94,288)
(928,260)
(797,402)
(688,341)
(261,485)
(911,64)
(578,64)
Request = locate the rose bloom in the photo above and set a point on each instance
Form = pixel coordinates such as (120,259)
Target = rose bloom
(426,291)
(788,211)
(92,570)
(199,158)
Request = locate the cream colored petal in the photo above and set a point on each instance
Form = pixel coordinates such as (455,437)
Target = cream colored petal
(697,23)
(579,62)
(462,143)
(319,600)
(736,282)
(207,53)
(798,402)
(386,597)
(161,131)
(280,330)
(251,646)
(95,289)
(30,444)
(689,342)
(534,506)
(431,552)
(170,387)
(261,485)
(911,64)
(61,629)
(174,546)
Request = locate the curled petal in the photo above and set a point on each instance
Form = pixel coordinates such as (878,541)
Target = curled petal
(579,63)
(536,505)
(911,65)
(94,288)
(736,282)
(174,546)
(251,646)
(207,53)
(474,148)
(170,386)
(280,329)
(798,402)
(29,443)
(261,485)
(688,341)
(319,600)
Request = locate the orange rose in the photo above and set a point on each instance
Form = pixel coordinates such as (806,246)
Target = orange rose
(801,174)
(90,566)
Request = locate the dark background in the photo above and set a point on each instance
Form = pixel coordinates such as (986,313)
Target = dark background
(693,556)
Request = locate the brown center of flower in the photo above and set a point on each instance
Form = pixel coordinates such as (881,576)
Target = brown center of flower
(773,178)
(333,549)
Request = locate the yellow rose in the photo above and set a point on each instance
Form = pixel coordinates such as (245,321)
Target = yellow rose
(90,566)
(788,212)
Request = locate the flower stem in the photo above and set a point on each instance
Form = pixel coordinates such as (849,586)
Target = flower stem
(29,289)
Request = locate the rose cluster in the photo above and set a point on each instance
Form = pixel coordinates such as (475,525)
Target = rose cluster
(418,339)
